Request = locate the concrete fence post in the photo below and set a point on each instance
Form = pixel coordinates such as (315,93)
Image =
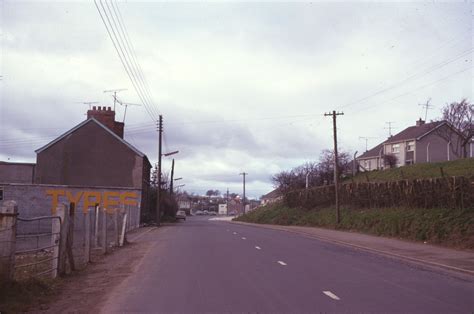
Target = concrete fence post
(96,226)
(62,211)
(58,231)
(8,214)
(87,235)
(116,227)
(124,226)
(103,235)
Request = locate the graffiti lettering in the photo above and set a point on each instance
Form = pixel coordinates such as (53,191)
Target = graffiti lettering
(108,200)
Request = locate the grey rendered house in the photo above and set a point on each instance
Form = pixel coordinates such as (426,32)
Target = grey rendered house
(424,142)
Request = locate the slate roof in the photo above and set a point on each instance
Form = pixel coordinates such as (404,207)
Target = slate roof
(273,194)
(91,120)
(371,153)
(415,132)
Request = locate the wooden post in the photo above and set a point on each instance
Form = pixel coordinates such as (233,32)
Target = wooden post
(65,221)
(57,226)
(8,214)
(87,235)
(70,238)
(116,229)
(103,233)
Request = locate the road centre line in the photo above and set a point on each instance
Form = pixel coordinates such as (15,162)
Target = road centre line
(258,248)
(244,238)
(331,295)
(235,232)
(282,263)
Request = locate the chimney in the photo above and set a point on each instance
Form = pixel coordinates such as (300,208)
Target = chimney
(420,122)
(106,116)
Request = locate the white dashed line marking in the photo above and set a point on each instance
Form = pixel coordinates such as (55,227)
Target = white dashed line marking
(282,263)
(258,248)
(235,232)
(331,295)
(244,238)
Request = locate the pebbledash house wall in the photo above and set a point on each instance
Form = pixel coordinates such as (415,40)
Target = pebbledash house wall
(36,200)
(437,148)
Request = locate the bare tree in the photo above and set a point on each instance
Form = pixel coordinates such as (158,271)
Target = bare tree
(460,116)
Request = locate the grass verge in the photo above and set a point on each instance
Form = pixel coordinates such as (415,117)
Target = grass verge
(447,227)
(460,167)
(21,296)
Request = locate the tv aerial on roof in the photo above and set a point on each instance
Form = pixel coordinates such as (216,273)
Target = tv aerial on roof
(126,104)
(114,91)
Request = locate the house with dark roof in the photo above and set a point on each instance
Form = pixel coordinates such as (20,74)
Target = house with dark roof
(94,154)
(271,197)
(424,142)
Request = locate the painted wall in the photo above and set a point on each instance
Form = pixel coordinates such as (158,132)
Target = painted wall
(41,200)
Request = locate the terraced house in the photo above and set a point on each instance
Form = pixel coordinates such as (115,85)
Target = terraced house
(424,142)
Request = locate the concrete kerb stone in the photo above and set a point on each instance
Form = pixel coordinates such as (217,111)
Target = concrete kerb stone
(418,261)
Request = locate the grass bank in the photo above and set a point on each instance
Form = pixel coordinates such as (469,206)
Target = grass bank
(461,167)
(447,227)
(22,296)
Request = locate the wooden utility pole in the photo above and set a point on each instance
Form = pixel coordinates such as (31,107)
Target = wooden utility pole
(336,163)
(158,191)
(227,202)
(243,201)
(172,179)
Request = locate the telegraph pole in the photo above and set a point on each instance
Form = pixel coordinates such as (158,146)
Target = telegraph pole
(336,164)
(158,192)
(244,174)
(172,174)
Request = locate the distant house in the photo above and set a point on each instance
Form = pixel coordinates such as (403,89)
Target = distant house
(424,142)
(270,198)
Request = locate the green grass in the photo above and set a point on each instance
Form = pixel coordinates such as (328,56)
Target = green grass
(461,167)
(448,227)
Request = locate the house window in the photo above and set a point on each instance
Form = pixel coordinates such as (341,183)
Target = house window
(1,193)
(395,148)
(367,164)
(410,146)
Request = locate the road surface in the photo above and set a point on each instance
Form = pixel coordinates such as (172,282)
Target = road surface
(213,266)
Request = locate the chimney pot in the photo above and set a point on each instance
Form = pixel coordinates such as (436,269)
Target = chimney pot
(94,108)
(420,122)
(109,108)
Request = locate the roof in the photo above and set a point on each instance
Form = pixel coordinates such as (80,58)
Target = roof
(273,194)
(17,163)
(372,153)
(415,132)
(80,125)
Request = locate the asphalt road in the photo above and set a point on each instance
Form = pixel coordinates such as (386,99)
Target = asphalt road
(209,266)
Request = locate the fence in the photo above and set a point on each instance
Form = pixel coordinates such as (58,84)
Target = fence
(52,245)
(450,192)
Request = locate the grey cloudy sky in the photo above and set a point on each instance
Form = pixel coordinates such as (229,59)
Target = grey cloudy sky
(243,86)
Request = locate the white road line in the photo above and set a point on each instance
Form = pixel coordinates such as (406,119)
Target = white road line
(331,295)
(282,263)
(235,232)
(244,238)
(258,248)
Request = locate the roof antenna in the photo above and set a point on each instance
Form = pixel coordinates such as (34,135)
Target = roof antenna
(426,106)
(126,104)
(114,91)
(90,103)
